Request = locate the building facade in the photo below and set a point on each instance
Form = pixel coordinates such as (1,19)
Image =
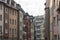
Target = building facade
(32,27)
(38,21)
(42,32)
(43,29)
(9,20)
(47,20)
(53,16)
(57,20)
(26,28)
(21,25)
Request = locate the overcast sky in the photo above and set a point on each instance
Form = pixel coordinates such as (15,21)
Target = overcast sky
(33,7)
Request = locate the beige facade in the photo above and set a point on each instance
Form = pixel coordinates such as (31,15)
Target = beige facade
(13,23)
(42,32)
(9,20)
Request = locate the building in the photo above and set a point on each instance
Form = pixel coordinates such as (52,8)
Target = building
(42,27)
(53,6)
(32,26)
(8,20)
(42,32)
(47,20)
(56,20)
(38,22)
(26,28)
(21,24)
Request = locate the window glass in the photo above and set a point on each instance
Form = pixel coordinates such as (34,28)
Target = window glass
(38,36)
(0,30)
(0,6)
(12,21)
(15,22)
(6,20)
(10,30)
(6,10)
(15,13)
(6,31)
(0,17)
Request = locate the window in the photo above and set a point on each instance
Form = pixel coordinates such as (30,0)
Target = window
(15,31)
(55,37)
(16,13)
(0,30)
(10,30)
(25,29)
(15,22)
(59,3)
(6,20)
(38,36)
(12,21)
(38,31)
(24,36)
(59,28)
(12,34)
(38,27)
(58,37)
(6,10)
(12,12)
(6,31)
(54,21)
(54,3)
(20,19)
(0,6)
(0,17)
(8,1)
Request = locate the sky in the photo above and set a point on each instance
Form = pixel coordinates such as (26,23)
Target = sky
(33,7)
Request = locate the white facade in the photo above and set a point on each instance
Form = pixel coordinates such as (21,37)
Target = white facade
(39,21)
(21,25)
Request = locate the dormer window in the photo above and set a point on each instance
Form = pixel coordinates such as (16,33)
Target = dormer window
(12,3)
(8,1)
